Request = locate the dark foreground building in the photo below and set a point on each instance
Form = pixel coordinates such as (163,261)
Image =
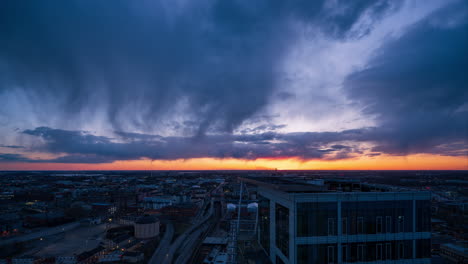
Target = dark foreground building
(342,222)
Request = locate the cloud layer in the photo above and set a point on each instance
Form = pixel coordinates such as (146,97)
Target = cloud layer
(417,85)
(82,147)
(138,63)
(194,78)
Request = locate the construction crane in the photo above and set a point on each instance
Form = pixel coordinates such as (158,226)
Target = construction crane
(250,226)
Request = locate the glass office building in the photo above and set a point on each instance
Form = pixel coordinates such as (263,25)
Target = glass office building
(341,222)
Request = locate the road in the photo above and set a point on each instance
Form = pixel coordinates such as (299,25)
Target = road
(73,242)
(43,233)
(191,242)
(165,252)
(164,245)
(187,248)
(183,237)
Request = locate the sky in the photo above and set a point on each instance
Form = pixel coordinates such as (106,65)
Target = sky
(214,84)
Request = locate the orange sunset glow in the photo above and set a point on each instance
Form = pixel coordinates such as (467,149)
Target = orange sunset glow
(410,162)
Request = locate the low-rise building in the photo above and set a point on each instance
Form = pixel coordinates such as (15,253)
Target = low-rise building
(454,253)
(146,227)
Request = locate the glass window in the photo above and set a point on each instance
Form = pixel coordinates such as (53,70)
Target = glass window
(331,254)
(282,228)
(378,252)
(312,218)
(400,250)
(370,210)
(264,223)
(378,225)
(401,224)
(321,253)
(360,225)
(331,226)
(344,253)
(344,225)
(360,252)
(423,248)
(423,216)
(388,251)
(388,224)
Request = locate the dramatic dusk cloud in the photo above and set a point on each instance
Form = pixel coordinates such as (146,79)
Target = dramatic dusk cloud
(78,145)
(84,147)
(8,157)
(11,146)
(417,86)
(85,81)
(141,62)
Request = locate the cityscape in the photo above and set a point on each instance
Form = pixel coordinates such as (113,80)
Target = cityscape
(234,131)
(210,217)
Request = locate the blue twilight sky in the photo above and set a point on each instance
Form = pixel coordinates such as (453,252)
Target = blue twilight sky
(95,81)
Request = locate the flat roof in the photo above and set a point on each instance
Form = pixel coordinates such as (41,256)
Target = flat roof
(457,247)
(301,185)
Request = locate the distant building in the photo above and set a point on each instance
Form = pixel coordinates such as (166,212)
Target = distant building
(24,260)
(10,223)
(65,260)
(103,208)
(453,253)
(156,202)
(146,227)
(182,210)
(341,222)
(45,219)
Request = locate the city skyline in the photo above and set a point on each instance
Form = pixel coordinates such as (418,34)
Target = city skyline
(233,85)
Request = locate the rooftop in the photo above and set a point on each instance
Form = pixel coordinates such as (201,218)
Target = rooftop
(302,185)
(462,248)
(146,219)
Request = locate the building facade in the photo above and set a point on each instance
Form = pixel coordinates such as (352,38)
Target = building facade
(146,227)
(297,225)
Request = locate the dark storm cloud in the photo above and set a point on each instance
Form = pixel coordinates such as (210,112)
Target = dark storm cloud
(11,146)
(135,60)
(139,62)
(83,147)
(417,87)
(10,157)
(90,159)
